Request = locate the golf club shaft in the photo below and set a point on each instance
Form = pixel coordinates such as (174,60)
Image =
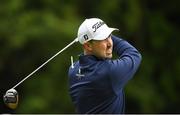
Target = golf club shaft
(45,63)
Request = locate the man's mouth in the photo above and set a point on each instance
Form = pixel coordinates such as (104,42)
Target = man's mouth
(109,51)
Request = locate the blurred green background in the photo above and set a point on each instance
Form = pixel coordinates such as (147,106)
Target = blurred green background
(31,31)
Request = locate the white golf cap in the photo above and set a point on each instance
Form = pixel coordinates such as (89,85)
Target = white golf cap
(93,29)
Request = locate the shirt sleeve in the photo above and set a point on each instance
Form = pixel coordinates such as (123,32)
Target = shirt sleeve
(123,68)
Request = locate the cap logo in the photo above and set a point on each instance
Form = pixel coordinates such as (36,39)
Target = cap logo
(86,37)
(97,25)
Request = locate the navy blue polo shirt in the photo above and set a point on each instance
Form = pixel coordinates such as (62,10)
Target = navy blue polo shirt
(96,85)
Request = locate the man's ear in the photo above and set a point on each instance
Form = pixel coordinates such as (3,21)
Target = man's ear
(87,46)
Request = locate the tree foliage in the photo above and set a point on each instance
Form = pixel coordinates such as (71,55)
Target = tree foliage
(31,31)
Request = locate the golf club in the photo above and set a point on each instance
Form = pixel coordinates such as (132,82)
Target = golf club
(11,96)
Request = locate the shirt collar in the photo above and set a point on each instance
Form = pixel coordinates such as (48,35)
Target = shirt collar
(88,59)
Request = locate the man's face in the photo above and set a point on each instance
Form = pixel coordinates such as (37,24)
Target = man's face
(102,48)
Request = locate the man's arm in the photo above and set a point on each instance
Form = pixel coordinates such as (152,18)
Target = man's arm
(126,65)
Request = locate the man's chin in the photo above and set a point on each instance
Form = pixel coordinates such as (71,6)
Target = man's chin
(109,56)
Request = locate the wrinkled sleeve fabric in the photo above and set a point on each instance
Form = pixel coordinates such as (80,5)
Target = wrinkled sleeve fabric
(124,67)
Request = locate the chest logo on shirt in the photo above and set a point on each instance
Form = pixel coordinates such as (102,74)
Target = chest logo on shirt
(79,75)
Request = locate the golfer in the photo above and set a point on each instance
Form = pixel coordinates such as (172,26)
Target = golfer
(96,81)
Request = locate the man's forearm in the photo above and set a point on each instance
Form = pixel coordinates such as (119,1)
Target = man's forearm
(122,47)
